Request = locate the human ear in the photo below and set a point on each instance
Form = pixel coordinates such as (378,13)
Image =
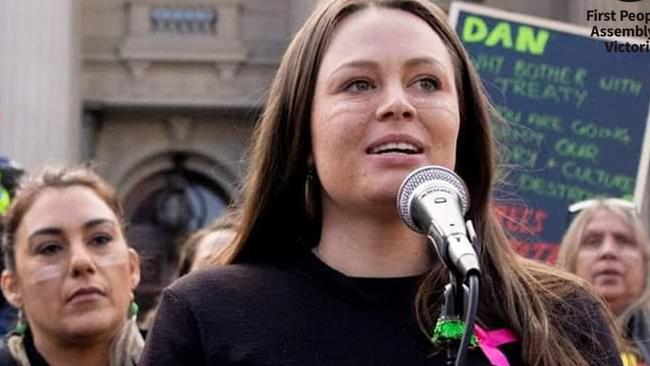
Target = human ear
(11,288)
(134,268)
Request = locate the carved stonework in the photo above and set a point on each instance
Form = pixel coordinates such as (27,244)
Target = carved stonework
(227,70)
(138,68)
(192,84)
(194,31)
(179,131)
(159,60)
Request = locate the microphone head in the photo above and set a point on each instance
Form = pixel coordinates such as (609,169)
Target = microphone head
(429,177)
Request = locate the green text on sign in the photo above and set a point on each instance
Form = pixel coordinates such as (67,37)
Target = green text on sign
(521,38)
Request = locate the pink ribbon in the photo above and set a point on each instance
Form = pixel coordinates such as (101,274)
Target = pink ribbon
(490,340)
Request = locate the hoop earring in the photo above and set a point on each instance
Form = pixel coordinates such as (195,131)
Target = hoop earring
(311,174)
(310,187)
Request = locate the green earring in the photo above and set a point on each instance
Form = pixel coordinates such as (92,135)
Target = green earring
(21,326)
(133,310)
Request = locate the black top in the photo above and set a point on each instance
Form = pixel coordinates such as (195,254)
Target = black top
(35,358)
(638,330)
(300,312)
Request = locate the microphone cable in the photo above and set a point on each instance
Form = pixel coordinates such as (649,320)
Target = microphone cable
(470,317)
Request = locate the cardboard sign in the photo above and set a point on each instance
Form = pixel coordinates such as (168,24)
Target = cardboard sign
(577,110)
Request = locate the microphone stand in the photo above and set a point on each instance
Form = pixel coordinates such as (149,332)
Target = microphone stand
(453,311)
(455,327)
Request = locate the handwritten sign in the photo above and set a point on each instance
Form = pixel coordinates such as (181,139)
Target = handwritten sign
(576,113)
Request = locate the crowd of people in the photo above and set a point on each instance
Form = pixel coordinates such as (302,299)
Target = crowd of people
(313,264)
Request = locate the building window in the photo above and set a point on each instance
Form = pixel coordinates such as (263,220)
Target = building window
(191,20)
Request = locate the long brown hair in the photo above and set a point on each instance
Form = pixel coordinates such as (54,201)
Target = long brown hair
(515,292)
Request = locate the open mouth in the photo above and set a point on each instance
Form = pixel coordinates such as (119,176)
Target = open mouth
(406,148)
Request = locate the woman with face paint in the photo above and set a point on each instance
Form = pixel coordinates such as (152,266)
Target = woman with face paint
(70,272)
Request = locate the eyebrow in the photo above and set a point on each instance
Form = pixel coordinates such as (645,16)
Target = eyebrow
(58,231)
(96,222)
(417,61)
(425,61)
(46,231)
(356,64)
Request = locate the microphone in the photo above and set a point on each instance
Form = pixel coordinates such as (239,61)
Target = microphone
(433,200)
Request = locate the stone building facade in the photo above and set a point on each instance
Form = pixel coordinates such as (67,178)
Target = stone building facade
(170,92)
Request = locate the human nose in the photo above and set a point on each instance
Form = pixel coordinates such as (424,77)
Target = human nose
(608,248)
(81,260)
(395,104)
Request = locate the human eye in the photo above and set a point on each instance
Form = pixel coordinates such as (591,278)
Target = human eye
(626,241)
(49,248)
(591,241)
(358,86)
(100,239)
(427,83)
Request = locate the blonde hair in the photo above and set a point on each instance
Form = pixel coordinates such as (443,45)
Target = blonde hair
(574,235)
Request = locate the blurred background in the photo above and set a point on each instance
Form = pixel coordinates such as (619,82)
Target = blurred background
(162,95)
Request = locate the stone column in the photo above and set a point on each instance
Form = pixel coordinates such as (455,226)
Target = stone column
(39,71)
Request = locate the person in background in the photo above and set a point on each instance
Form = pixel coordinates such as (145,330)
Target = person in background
(197,252)
(199,249)
(10,173)
(70,272)
(607,245)
(323,271)
(207,243)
